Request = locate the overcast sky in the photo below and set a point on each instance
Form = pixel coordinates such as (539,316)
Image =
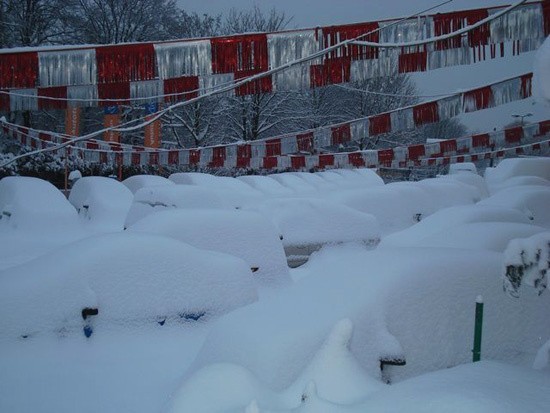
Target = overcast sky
(312,13)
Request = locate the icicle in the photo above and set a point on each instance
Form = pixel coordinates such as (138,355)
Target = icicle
(477,99)
(273,147)
(432,149)
(449,107)
(449,57)
(289,145)
(359,129)
(400,153)
(18,70)
(184,157)
(286,47)
(530,131)
(426,113)
(341,160)
(210,83)
(321,138)
(371,158)
(340,134)
(258,149)
(402,120)
(305,141)
(525,22)
(67,68)
(298,163)
(312,162)
(498,139)
(385,157)
(231,152)
(58,95)
(256,163)
(142,91)
(27,101)
(113,93)
(192,58)
(407,30)
(416,151)
(507,91)
(283,162)
(206,156)
(379,124)
(87,94)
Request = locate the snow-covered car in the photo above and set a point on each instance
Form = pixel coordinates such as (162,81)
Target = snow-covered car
(117,281)
(102,203)
(34,204)
(244,234)
(233,191)
(152,199)
(306,224)
(136,182)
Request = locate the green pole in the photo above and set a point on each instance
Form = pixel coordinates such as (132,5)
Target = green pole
(478,329)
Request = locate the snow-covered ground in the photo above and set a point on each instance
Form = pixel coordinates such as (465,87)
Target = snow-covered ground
(193,308)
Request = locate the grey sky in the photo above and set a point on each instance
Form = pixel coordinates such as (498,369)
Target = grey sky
(311,13)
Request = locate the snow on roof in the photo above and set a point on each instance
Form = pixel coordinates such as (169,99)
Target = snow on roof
(244,234)
(445,219)
(395,299)
(129,278)
(534,201)
(101,202)
(136,182)
(266,185)
(509,168)
(34,204)
(150,199)
(304,221)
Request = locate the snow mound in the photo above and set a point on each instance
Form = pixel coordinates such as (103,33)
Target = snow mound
(445,219)
(482,387)
(425,298)
(266,185)
(227,387)
(233,191)
(472,179)
(34,204)
(396,206)
(304,221)
(451,192)
(520,181)
(132,279)
(492,236)
(352,178)
(533,201)
(297,185)
(244,234)
(510,168)
(316,181)
(153,199)
(136,182)
(101,202)
(458,168)
(541,77)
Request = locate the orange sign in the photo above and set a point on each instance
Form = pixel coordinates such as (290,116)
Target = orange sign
(72,121)
(110,121)
(152,133)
